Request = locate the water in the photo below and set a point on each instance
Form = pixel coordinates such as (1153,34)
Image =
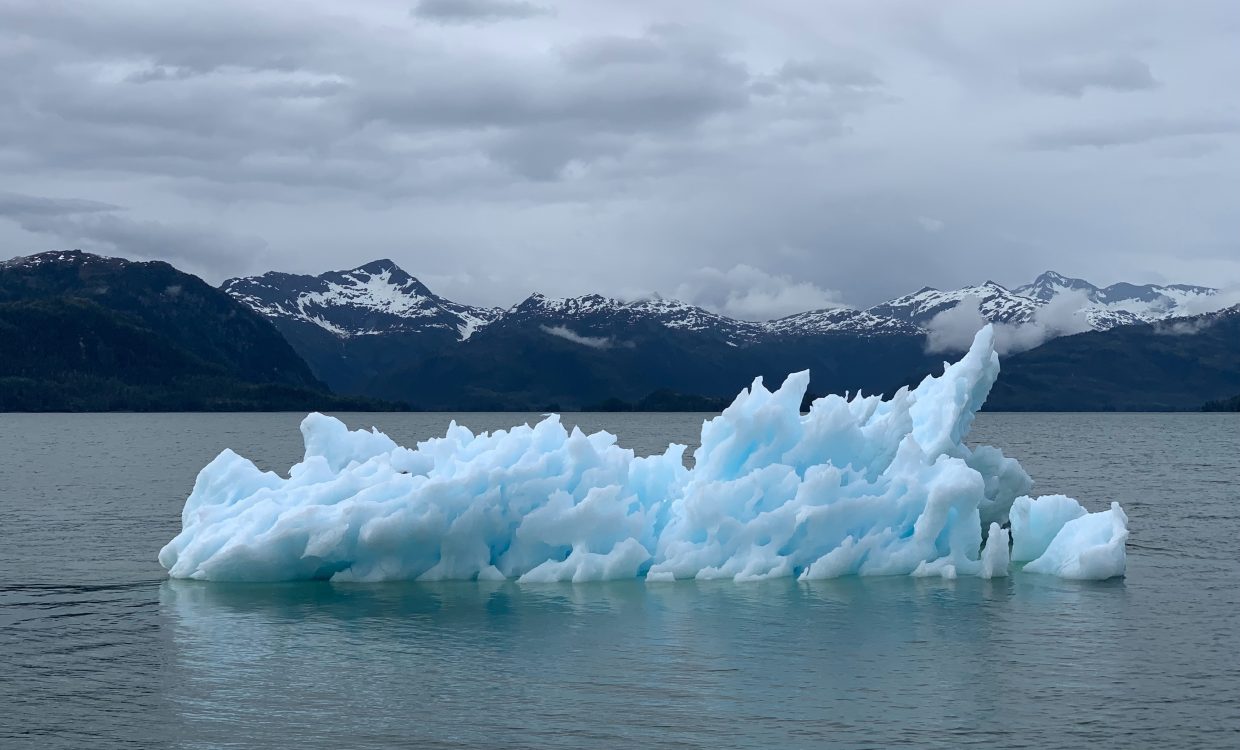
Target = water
(99,650)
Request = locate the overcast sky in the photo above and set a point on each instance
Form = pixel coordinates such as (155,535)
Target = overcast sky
(757,157)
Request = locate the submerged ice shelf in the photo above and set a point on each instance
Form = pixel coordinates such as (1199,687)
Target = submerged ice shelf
(856,486)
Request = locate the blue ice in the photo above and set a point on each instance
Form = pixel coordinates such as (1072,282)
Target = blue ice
(857,486)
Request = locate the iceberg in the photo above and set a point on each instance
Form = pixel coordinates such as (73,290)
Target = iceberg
(857,486)
(1090,546)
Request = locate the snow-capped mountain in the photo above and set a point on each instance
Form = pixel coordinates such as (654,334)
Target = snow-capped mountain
(1050,285)
(1102,307)
(377,298)
(1122,303)
(381,298)
(842,320)
(594,313)
(996,303)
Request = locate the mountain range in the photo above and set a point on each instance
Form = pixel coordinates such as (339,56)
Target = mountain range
(380,298)
(376,332)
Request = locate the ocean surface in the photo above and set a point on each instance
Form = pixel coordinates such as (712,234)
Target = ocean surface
(99,650)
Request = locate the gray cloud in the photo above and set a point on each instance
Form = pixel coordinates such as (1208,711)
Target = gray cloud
(1073,77)
(476,11)
(105,228)
(189,38)
(750,293)
(1131,132)
(21,206)
(624,146)
(828,72)
(1190,327)
(1222,299)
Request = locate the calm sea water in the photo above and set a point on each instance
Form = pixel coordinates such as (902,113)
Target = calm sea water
(98,649)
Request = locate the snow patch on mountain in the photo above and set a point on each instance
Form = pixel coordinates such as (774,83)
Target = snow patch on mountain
(1053,305)
(594,313)
(377,298)
(842,320)
(1123,303)
(995,302)
(54,256)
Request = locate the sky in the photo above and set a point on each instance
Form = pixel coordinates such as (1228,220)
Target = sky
(758,158)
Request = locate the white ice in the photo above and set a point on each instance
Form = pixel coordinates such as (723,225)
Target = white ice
(1036,521)
(1090,546)
(856,486)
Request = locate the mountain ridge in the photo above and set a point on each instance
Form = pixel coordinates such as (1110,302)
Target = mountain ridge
(380,297)
(377,297)
(592,349)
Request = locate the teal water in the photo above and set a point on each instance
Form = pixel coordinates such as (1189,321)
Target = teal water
(98,649)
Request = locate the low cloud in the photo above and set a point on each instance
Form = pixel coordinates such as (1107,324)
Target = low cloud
(1195,312)
(476,11)
(1220,300)
(953,330)
(1072,77)
(842,73)
(1129,133)
(566,333)
(17,205)
(750,293)
(1184,327)
(105,228)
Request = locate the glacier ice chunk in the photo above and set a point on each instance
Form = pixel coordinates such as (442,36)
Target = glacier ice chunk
(858,486)
(1087,547)
(1036,521)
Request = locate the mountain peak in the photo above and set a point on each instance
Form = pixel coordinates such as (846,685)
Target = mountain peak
(374,298)
(379,266)
(1051,284)
(567,305)
(383,270)
(53,256)
(1054,277)
(74,260)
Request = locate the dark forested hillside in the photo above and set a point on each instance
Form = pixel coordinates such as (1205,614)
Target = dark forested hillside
(1174,365)
(521,362)
(81,332)
(1226,404)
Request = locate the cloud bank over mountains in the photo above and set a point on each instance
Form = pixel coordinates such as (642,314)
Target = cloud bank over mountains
(953,330)
(748,293)
(630,147)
